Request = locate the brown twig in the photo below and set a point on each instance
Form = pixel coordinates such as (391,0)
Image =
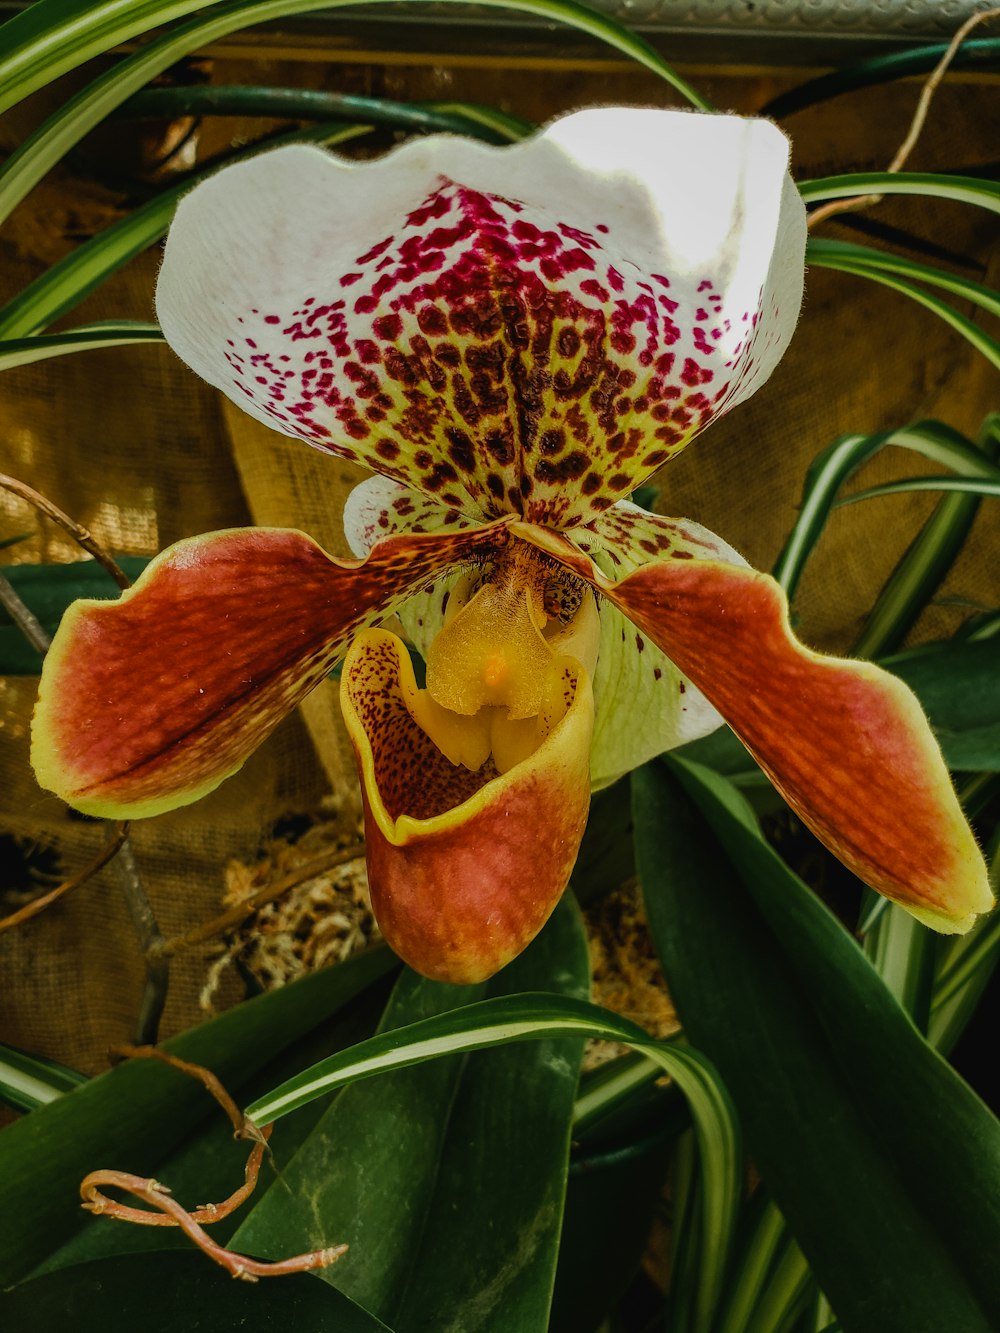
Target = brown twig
(37,905)
(23,617)
(144,923)
(240,912)
(173,1214)
(81,535)
(140,909)
(931,85)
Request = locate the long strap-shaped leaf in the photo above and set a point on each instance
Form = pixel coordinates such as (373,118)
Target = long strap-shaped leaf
(532,1017)
(930,555)
(27,1081)
(963,189)
(858,258)
(981,340)
(966,485)
(85,338)
(54,36)
(836,464)
(885,1163)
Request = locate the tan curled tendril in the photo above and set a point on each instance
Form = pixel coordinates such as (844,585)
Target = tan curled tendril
(169,1213)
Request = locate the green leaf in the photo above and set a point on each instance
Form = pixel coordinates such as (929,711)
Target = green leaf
(47,590)
(209,1162)
(483,122)
(965,967)
(858,1127)
(959,687)
(54,36)
(826,474)
(859,258)
(86,338)
(389,1165)
(926,561)
(836,464)
(166,1292)
(142,1109)
(964,485)
(961,189)
(28,1081)
(495,1022)
(981,340)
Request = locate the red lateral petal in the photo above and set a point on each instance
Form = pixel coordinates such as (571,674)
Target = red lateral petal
(845,743)
(465,868)
(149,702)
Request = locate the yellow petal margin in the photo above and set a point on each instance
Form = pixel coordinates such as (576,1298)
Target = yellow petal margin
(846,743)
(465,867)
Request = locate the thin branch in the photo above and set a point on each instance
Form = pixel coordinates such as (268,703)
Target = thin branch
(23,617)
(37,905)
(81,535)
(144,923)
(931,85)
(235,915)
(171,1213)
(126,871)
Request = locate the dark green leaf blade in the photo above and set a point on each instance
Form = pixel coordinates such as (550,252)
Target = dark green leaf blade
(166,1292)
(958,685)
(142,1106)
(860,1130)
(388,1167)
(47,590)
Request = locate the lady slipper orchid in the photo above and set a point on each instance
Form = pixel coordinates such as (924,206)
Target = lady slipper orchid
(513,340)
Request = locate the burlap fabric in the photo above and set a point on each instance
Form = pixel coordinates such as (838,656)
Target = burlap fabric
(132,445)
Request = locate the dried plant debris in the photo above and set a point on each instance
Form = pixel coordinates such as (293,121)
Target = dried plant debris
(323,920)
(627,977)
(328,918)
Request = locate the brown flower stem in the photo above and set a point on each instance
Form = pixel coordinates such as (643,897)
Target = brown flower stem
(81,535)
(171,1214)
(931,85)
(23,617)
(154,995)
(37,905)
(240,912)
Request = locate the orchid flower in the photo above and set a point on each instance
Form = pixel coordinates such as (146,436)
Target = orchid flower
(513,339)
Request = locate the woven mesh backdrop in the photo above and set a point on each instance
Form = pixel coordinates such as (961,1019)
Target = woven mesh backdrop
(132,445)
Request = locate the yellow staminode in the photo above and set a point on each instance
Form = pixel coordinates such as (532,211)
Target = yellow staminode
(495,671)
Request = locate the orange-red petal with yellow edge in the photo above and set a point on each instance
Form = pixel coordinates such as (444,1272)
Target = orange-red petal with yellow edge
(846,743)
(149,702)
(465,867)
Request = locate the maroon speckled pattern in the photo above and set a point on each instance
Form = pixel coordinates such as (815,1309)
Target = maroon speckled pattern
(498,359)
